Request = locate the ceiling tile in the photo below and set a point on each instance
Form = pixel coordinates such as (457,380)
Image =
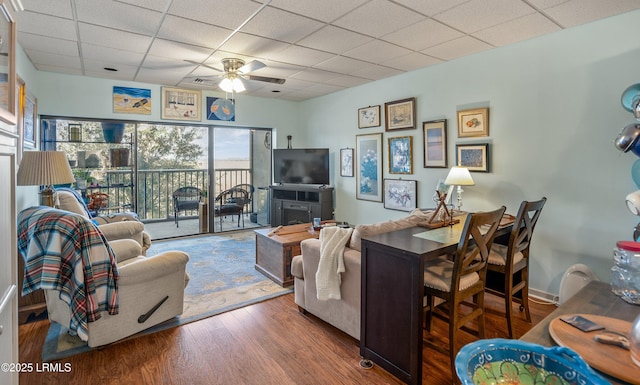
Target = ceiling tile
(53,59)
(430,7)
(454,49)
(480,14)
(376,72)
(229,15)
(410,62)
(325,10)
(544,4)
(113,38)
(280,25)
(96,68)
(63,69)
(60,8)
(347,81)
(253,45)
(47,44)
(50,26)
(120,16)
(314,75)
(377,18)
(192,32)
(334,39)
(377,51)
(300,56)
(422,35)
(576,12)
(341,64)
(110,56)
(164,76)
(512,31)
(171,49)
(149,4)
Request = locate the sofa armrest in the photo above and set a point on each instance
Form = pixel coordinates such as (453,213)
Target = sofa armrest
(125,249)
(151,268)
(123,230)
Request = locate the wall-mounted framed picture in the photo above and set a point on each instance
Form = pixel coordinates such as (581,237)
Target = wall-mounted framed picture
(369,167)
(130,100)
(435,143)
(8,77)
(475,157)
(400,194)
(401,155)
(369,117)
(400,114)
(346,162)
(472,123)
(181,104)
(221,109)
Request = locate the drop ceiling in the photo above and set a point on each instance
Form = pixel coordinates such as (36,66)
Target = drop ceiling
(317,46)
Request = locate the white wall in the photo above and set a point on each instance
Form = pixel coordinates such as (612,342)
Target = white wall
(554,113)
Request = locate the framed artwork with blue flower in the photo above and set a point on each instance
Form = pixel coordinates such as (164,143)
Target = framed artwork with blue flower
(221,109)
(369,167)
(401,155)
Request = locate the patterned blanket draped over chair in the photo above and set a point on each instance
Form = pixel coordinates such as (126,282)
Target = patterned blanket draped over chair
(65,252)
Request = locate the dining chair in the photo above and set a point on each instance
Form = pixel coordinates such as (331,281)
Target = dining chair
(452,280)
(509,264)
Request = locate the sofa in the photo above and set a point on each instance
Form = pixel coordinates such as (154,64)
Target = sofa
(344,313)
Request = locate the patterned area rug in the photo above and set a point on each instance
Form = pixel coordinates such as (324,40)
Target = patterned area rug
(222,278)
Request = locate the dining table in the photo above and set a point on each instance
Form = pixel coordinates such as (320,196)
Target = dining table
(597,299)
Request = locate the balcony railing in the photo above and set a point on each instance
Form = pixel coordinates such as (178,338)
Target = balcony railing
(155,188)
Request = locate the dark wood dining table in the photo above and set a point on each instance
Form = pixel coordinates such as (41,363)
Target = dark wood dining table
(595,298)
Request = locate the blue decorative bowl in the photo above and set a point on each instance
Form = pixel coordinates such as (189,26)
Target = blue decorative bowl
(113,132)
(502,361)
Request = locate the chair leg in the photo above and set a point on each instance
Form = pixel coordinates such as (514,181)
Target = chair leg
(481,321)
(525,294)
(453,333)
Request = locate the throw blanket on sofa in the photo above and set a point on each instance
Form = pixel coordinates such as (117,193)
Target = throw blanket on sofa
(64,251)
(331,264)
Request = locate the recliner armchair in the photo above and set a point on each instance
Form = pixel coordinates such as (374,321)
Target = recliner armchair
(113,226)
(150,290)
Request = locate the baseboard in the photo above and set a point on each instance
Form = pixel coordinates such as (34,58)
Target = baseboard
(544,296)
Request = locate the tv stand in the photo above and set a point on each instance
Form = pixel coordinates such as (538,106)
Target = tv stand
(292,204)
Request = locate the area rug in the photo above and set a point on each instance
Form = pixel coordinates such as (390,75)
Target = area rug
(222,278)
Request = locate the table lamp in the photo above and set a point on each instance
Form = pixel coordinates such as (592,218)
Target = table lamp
(459,176)
(44,168)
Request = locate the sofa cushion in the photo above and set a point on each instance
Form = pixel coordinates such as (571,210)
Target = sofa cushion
(382,227)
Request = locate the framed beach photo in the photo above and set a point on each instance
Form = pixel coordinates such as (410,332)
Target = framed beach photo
(181,104)
(401,155)
(369,167)
(472,123)
(435,143)
(130,100)
(369,117)
(400,114)
(346,162)
(475,157)
(29,121)
(400,194)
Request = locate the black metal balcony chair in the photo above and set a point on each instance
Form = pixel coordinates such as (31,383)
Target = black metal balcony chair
(186,199)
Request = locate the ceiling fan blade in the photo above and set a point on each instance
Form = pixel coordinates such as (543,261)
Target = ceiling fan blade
(204,65)
(253,65)
(265,79)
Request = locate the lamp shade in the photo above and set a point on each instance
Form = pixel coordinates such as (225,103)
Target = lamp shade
(459,176)
(44,168)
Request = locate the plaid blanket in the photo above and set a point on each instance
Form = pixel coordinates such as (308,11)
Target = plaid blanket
(66,252)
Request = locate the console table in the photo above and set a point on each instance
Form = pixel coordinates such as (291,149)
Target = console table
(292,204)
(392,268)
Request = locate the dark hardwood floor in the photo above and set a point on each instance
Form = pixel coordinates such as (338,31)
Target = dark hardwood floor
(266,343)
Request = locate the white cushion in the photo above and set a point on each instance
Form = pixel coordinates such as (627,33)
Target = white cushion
(438,272)
(498,255)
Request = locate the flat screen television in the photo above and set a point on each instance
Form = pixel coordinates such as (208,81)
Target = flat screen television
(301,166)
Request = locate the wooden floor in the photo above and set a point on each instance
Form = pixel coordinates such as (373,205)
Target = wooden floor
(267,343)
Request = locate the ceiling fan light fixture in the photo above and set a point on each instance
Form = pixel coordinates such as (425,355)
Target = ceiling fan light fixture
(232,85)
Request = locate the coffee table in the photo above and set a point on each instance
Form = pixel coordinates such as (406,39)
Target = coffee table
(275,250)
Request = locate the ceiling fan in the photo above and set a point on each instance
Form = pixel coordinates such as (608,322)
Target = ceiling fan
(235,70)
